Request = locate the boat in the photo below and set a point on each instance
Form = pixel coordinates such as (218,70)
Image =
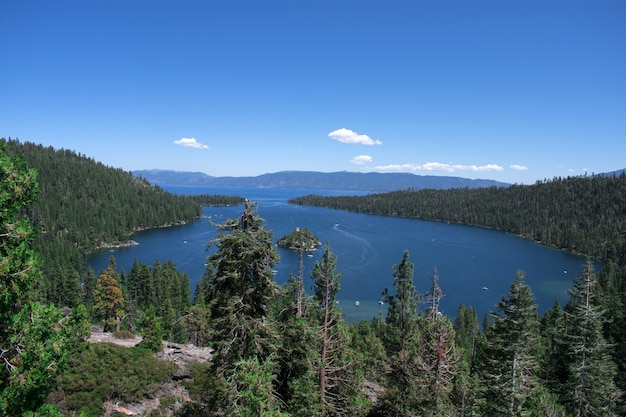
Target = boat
(485,288)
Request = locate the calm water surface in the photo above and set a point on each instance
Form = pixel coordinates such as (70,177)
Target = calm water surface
(475,266)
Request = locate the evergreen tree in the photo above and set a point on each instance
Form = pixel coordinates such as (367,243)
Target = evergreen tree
(298,338)
(402,338)
(439,361)
(152,331)
(554,360)
(590,386)
(35,340)
(196,323)
(612,286)
(509,359)
(332,364)
(467,332)
(241,290)
(253,392)
(109,298)
(89,286)
(239,294)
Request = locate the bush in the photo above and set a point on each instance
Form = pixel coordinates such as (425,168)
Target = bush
(106,371)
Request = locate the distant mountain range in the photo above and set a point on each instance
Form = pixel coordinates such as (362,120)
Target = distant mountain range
(349,181)
(614,173)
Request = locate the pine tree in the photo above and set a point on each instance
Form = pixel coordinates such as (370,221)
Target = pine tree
(402,311)
(467,331)
(35,340)
(88,286)
(239,293)
(509,358)
(402,337)
(332,363)
(109,298)
(439,361)
(554,359)
(253,393)
(590,383)
(241,290)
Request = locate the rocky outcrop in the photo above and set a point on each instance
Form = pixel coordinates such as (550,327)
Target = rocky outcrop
(182,355)
(179,354)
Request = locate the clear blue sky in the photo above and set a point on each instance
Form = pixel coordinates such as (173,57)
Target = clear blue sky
(516,91)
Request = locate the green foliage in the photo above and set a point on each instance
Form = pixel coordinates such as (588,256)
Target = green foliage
(338,389)
(241,289)
(152,331)
(403,307)
(401,337)
(467,332)
(109,299)
(548,211)
(46,410)
(253,392)
(108,372)
(18,269)
(440,360)
(590,388)
(237,295)
(508,364)
(35,340)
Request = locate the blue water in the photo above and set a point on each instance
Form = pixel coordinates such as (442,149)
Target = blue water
(467,259)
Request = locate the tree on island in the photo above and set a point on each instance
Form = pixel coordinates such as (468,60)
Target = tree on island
(300,240)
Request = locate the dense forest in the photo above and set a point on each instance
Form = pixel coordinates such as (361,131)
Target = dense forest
(83,205)
(586,215)
(285,351)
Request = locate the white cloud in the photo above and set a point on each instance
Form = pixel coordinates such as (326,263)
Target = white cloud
(190,143)
(348,136)
(519,167)
(438,166)
(361,159)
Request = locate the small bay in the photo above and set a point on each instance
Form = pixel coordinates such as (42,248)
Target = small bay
(475,266)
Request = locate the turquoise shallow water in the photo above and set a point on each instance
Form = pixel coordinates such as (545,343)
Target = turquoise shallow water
(468,259)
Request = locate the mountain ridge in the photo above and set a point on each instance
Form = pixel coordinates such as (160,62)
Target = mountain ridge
(340,180)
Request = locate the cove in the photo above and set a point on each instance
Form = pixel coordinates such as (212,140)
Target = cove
(475,266)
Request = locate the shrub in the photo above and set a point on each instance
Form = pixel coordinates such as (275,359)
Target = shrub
(106,371)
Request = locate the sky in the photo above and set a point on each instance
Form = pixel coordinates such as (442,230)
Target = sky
(515,91)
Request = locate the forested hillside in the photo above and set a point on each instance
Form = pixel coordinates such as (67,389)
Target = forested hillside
(83,204)
(586,215)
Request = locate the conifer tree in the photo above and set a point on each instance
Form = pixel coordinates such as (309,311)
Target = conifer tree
(241,289)
(554,358)
(402,339)
(590,386)
(509,359)
(238,295)
(253,391)
(35,340)
(89,285)
(439,360)
(109,298)
(332,364)
(467,332)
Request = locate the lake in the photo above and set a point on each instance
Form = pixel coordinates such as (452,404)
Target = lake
(475,266)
